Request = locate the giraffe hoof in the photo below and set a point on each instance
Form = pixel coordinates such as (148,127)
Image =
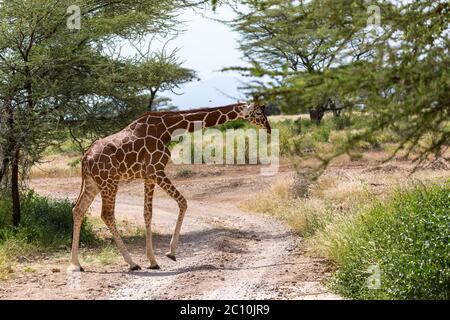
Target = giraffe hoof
(75,268)
(134,268)
(155,267)
(171,256)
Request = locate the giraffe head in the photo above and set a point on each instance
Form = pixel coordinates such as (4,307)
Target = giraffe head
(255,114)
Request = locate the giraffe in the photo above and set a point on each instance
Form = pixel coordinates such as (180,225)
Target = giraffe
(140,151)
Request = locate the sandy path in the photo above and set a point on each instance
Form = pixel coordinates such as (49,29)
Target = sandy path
(224,253)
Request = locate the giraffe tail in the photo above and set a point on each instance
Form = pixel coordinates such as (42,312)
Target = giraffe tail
(83,180)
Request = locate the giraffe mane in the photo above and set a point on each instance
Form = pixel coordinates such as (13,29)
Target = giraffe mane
(162,113)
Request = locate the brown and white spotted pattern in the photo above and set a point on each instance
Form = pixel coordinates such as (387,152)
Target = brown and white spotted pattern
(140,152)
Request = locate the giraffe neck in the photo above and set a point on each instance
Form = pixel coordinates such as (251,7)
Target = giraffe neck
(217,116)
(205,118)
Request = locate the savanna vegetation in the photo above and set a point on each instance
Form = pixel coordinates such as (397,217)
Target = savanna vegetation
(61,73)
(388,63)
(46,226)
(63,82)
(404,233)
(385,66)
(406,237)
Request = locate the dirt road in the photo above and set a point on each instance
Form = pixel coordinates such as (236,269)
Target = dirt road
(224,252)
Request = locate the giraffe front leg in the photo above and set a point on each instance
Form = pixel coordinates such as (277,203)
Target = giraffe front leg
(149,188)
(167,185)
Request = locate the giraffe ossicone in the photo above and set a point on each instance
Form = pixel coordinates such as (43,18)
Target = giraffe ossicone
(140,151)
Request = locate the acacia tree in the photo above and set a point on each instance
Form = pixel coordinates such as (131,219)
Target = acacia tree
(292,39)
(398,69)
(407,83)
(153,72)
(53,78)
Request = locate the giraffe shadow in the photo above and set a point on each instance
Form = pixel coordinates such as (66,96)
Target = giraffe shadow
(198,238)
(188,269)
(202,267)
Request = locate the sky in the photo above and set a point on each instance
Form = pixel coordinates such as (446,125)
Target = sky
(207,46)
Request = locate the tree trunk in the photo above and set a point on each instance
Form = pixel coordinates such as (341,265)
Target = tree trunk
(4,167)
(317,114)
(8,149)
(15,187)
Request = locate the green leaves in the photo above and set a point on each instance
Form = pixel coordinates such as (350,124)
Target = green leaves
(315,50)
(408,238)
(57,79)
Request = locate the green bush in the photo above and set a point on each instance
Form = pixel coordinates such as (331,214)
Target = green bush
(408,237)
(45,222)
(74,163)
(301,137)
(46,226)
(341,123)
(321,134)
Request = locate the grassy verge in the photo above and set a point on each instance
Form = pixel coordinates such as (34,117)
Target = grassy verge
(46,226)
(404,233)
(407,238)
(46,231)
(309,208)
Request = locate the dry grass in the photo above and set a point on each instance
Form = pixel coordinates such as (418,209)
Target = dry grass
(18,254)
(338,196)
(57,166)
(325,200)
(287,117)
(10,252)
(294,117)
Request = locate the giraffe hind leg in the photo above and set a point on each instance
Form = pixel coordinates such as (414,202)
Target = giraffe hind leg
(87,195)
